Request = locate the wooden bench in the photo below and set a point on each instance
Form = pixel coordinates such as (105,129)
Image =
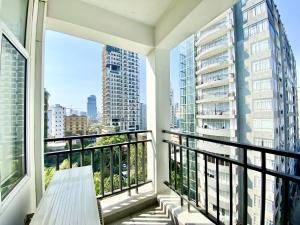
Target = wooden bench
(70,199)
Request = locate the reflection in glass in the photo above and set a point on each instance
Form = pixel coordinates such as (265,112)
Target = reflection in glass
(12,113)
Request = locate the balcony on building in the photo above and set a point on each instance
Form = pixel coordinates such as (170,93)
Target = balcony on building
(145,183)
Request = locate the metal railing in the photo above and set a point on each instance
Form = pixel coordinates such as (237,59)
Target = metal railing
(244,165)
(125,171)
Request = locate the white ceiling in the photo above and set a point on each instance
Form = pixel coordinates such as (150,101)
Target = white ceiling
(144,11)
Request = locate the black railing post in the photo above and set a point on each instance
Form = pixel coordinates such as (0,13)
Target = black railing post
(217,190)
(181,170)
(111,170)
(120,167)
(92,160)
(128,165)
(263,188)
(175,169)
(102,171)
(188,171)
(245,180)
(285,199)
(136,164)
(230,194)
(81,153)
(70,154)
(57,162)
(196,177)
(143,161)
(206,184)
(170,163)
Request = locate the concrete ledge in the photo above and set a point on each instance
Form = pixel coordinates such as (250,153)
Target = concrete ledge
(170,202)
(122,205)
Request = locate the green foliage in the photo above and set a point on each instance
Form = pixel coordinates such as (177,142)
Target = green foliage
(49,171)
(111,140)
(48,174)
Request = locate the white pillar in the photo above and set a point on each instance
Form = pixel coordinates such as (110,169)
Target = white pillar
(158,115)
(39,102)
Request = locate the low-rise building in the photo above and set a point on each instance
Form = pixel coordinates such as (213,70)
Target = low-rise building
(75,125)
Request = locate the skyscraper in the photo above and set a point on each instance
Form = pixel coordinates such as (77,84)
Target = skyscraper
(246,92)
(120,71)
(92,108)
(187,121)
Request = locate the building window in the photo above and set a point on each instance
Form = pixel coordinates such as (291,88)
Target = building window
(261,65)
(262,85)
(262,124)
(262,105)
(260,46)
(14,14)
(12,116)
(256,28)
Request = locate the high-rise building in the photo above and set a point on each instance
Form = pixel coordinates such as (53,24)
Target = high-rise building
(120,92)
(245,67)
(187,85)
(92,108)
(143,116)
(187,106)
(75,125)
(56,115)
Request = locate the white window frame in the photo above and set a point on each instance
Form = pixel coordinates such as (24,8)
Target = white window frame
(5,31)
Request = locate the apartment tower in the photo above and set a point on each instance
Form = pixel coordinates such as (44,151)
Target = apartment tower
(216,106)
(246,82)
(120,92)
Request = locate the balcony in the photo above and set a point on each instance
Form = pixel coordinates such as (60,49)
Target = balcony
(215,50)
(214,66)
(139,178)
(216,114)
(221,132)
(225,97)
(214,32)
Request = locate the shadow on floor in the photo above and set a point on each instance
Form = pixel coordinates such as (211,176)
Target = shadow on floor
(152,216)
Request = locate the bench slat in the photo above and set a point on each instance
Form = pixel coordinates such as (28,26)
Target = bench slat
(70,199)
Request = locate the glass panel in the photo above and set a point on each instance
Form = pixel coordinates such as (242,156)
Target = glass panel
(14,15)
(12,113)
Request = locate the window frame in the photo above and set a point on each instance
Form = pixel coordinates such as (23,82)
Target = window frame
(20,47)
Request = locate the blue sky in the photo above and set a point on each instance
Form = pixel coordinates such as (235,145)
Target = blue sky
(73,65)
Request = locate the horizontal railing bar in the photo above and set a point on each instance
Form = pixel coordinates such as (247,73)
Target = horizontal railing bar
(238,145)
(94,148)
(118,191)
(95,135)
(238,163)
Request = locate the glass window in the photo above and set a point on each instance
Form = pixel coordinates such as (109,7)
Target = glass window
(14,14)
(263,123)
(262,85)
(256,28)
(261,65)
(262,105)
(260,46)
(12,116)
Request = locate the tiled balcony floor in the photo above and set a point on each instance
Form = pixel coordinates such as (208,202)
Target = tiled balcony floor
(151,216)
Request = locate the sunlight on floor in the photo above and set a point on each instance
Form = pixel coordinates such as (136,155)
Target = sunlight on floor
(151,216)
